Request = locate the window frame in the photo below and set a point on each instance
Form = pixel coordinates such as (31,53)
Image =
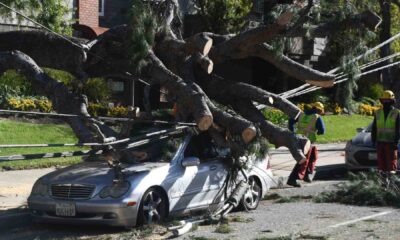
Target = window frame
(102,5)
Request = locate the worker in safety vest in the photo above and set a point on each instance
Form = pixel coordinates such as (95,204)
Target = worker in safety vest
(308,124)
(385,133)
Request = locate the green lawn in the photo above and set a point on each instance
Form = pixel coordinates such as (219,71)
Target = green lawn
(340,128)
(15,132)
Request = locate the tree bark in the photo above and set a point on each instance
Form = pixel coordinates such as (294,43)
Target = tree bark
(298,145)
(63,100)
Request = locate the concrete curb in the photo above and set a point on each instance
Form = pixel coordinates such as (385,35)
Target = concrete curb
(14,220)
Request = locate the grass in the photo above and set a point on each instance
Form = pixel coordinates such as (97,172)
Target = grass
(340,128)
(15,132)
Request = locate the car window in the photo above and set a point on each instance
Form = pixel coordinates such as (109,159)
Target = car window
(368,128)
(202,147)
(158,151)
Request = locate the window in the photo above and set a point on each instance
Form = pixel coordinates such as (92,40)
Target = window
(201,146)
(101,8)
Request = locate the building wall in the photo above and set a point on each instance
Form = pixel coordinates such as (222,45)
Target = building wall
(88,12)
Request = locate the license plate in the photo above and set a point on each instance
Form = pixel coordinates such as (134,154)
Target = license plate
(65,209)
(372,156)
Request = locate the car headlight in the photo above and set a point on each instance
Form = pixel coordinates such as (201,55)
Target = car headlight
(40,188)
(115,191)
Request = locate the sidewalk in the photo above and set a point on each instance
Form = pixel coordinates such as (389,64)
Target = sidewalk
(330,155)
(15,186)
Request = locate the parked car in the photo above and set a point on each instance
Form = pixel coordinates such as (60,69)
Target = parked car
(177,176)
(360,152)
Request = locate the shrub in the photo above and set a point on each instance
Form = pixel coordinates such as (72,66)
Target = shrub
(366,109)
(275,116)
(29,104)
(117,112)
(96,109)
(96,89)
(376,91)
(21,104)
(44,105)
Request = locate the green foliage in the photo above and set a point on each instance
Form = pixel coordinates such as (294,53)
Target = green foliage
(96,89)
(50,13)
(13,84)
(258,147)
(275,116)
(376,91)
(224,16)
(141,39)
(365,189)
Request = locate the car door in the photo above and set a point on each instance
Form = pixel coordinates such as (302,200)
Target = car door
(210,174)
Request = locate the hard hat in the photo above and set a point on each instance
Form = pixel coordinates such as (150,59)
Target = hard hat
(319,106)
(388,95)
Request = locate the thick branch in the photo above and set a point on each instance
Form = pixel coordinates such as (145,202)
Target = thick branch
(298,145)
(234,124)
(225,91)
(47,49)
(236,46)
(293,68)
(158,73)
(63,100)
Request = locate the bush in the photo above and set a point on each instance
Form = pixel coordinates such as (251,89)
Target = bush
(275,116)
(21,104)
(376,91)
(96,89)
(117,112)
(96,109)
(100,110)
(366,109)
(29,104)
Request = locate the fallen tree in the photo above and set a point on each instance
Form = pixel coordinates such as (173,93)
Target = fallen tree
(157,54)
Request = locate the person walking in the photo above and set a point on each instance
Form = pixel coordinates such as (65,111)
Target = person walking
(385,134)
(309,124)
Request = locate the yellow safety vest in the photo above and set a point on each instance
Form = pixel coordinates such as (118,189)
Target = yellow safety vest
(306,126)
(386,128)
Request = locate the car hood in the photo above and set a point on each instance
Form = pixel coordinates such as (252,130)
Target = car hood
(96,172)
(363,139)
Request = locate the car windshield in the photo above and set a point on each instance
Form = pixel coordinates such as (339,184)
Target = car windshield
(368,128)
(155,151)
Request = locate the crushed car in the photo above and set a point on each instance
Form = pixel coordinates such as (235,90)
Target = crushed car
(175,176)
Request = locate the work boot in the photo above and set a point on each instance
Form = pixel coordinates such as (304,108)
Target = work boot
(309,177)
(293,183)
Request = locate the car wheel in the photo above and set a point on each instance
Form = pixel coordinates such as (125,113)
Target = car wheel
(252,197)
(153,207)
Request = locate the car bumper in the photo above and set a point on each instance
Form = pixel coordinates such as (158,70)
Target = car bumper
(360,157)
(110,212)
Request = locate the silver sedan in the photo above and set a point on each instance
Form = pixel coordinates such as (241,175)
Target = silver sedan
(172,177)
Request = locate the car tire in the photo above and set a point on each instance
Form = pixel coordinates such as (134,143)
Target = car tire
(153,207)
(252,197)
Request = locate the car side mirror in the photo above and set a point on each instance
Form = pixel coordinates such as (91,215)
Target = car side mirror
(360,130)
(190,162)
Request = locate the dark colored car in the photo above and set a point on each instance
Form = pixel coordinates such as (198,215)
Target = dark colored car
(360,152)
